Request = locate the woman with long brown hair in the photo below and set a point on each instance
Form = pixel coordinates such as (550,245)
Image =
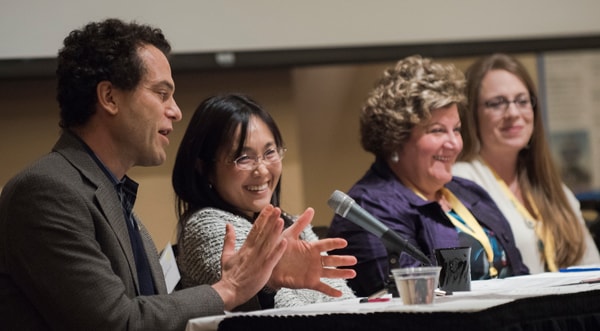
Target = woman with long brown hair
(506,151)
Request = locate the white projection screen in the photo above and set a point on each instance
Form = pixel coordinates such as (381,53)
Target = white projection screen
(33,29)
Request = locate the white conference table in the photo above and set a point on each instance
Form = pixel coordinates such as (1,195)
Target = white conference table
(484,296)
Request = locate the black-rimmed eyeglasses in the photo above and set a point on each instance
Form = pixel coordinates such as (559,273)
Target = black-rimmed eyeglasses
(270,156)
(501,104)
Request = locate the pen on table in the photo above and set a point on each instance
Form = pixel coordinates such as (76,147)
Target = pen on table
(591,281)
(578,269)
(594,280)
(381,299)
(379,296)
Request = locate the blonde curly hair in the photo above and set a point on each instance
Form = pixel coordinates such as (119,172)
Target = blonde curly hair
(404,97)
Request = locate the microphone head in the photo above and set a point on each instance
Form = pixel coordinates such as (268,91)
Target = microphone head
(340,203)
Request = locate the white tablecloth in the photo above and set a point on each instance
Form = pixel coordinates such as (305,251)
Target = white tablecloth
(484,294)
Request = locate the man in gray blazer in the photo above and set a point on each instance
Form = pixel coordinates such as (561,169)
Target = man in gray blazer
(73,256)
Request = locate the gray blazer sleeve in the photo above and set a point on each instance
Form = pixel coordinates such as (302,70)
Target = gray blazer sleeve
(64,262)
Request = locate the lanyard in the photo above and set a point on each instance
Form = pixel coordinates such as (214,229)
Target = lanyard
(547,239)
(470,225)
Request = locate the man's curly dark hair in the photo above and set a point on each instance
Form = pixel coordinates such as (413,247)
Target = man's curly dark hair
(101,51)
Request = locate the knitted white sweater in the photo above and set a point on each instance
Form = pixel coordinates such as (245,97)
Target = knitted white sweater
(201,246)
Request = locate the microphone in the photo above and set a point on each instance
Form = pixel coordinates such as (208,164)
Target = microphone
(346,207)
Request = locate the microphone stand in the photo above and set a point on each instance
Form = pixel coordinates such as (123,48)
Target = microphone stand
(390,283)
(392,242)
(395,245)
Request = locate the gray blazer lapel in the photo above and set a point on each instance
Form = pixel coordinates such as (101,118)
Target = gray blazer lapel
(106,196)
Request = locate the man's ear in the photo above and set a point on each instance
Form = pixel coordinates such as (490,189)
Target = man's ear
(106,94)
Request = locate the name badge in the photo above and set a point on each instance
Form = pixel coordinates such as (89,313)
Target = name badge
(169,267)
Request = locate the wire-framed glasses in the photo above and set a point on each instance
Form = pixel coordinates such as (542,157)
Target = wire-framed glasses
(500,104)
(270,156)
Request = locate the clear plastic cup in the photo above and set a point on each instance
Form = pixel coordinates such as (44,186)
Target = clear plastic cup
(417,285)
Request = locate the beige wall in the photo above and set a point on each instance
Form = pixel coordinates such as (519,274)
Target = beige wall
(315,107)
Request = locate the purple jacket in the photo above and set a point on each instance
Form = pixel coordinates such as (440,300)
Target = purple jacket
(423,223)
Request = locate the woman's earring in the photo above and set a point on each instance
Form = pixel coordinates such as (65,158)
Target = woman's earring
(394,157)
